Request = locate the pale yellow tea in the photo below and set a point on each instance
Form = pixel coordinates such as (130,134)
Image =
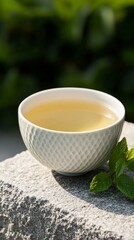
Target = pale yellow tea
(71,115)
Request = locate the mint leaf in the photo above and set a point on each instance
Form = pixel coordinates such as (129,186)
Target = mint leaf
(126,185)
(130,159)
(120,165)
(120,150)
(130,164)
(130,154)
(120,159)
(101,182)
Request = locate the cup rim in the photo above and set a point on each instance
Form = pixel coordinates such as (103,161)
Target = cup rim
(75,89)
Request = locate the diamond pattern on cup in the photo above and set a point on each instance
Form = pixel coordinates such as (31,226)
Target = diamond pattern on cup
(69,152)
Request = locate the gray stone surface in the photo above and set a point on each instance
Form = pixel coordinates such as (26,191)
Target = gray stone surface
(37,204)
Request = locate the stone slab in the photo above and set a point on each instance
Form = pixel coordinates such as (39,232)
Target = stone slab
(37,203)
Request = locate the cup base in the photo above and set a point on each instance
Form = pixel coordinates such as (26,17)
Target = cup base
(71,174)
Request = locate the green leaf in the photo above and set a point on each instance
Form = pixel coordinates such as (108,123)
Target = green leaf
(116,4)
(126,185)
(118,153)
(120,165)
(11,6)
(131,164)
(101,182)
(68,8)
(102,28)
(78,23)
(130,154)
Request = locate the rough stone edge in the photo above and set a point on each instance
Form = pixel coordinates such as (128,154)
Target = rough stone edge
(24,217)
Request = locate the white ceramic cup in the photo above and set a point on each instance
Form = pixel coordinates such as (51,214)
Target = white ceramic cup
(71,153)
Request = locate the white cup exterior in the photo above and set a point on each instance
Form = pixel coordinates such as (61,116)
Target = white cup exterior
(71,153)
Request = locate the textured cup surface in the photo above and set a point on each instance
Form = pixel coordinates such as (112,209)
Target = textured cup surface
(67,152)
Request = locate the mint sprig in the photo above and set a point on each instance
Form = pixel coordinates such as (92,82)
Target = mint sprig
(120,160)
(101,182)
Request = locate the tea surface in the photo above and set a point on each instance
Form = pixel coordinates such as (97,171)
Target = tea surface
(71,115)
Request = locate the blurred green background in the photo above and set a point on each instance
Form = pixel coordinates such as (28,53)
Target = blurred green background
(82,43)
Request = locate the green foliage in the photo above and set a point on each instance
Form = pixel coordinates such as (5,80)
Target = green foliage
(101,182)
(126,185)
(118,155)
(120,160)
(130,158)
(101,29)
(131,164)
(46,43)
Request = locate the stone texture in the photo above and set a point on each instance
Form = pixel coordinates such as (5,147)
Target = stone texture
(37,204)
